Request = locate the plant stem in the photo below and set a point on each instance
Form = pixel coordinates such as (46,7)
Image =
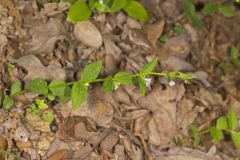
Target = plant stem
(203,132)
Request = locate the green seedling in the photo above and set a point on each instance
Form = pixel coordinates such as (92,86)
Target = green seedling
(80,10)
(77,91)
(225,125)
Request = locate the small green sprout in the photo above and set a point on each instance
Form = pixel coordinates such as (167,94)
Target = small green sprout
(223,9)
(224,125)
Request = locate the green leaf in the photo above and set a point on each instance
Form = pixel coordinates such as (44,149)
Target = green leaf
(41,104)
(210,8)
(232,119)
(236,138)
(190,11)
(59,89)
(124,78)
(222,123)
(92,2)
(234,55)
(79,11)
(16,87)
(48,117)
(91,71)
(117,5)
(136,10)
(69,1)
(194,133)
(38,86)
(142,85)
(79,94)
(8,102)
(164,38)
(226,10)
(108,84)
(216,134)
(149,67)
(10,67)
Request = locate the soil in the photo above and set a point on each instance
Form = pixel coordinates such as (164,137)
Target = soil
(36,38)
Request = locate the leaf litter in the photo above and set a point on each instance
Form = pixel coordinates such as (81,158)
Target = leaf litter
(121,124)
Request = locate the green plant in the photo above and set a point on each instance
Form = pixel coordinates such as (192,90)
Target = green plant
(39,108)
(224,9)
(77,91)
(81,10)
(225,124)
(234,59)
(190,11)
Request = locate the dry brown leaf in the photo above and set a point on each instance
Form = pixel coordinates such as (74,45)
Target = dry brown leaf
(154,31)
(36,69)
(42,42)
(109,142)
(59,155)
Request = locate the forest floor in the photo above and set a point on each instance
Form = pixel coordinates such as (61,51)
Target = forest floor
(37,41)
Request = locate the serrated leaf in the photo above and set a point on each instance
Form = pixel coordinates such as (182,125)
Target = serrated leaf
(210,8)
(16,87)
(108,84)
(38,86)
(79,11)
(226,10)
(79,94)
(124,78)
(216,134)
(48,117)
(136,10)
(222,123)
(58,88)
(149,67)
(91,71)
(235,136)
(8,102)
(232,119)
(190,11)
(142,85)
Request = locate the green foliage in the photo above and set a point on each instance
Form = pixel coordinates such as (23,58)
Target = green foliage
(77,91)
(223,9)
(235,136)
(136,10)
(10,67)
(49,116)
(7,102)
(190,11)
(232,119)
(194,132)
(149,67)
(164,38)
(79,94)
(80,10)
(91,71)
(224,124)
(38,86)
(234,59)
(16,87)
(60,90)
